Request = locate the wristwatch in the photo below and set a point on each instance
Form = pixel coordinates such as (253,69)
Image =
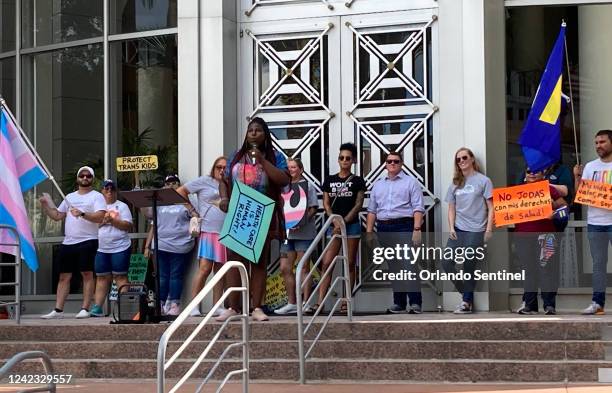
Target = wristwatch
(82,214)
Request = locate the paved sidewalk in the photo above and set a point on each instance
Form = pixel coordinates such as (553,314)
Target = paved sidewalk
(101,386)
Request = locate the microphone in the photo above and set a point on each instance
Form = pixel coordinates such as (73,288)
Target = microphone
(253,148)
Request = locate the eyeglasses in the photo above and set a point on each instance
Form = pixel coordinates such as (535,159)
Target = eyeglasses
(219,167)
(85,176)
(396,162)
(345,158)
(462,158)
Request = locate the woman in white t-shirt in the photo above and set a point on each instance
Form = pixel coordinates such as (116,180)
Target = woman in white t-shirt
(211,253)
(114,246)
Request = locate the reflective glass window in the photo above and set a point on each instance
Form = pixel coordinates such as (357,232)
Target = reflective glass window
(45,22)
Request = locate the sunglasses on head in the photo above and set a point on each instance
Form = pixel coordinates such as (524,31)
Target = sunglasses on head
(462,158)
(85,176)
(392,161)
(345,158)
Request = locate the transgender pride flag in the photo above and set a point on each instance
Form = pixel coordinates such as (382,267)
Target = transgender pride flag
(19,172)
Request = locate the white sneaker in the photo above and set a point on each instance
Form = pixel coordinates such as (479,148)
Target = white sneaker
(53,315)
(463,308)
(82,314)
(166,307)
(593,309)
(286,309)
(174,310)
(195,313)
(220,310)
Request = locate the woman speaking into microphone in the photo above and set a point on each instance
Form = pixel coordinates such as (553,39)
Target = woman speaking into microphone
(258,165)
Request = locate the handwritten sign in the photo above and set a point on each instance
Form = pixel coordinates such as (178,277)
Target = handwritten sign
(137,271)
(527,202)
(596,194)
(247,221)
(136,163)
(276,295)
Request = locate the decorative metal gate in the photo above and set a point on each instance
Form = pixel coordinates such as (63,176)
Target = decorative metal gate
(365,78)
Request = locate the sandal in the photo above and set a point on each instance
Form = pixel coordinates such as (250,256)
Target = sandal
(311,310)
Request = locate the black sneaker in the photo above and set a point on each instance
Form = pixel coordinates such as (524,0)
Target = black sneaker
(550,310)
(526,311)
(395,309)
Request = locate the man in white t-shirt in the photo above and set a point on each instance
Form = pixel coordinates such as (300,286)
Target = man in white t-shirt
(83,210)
(114,247)
(599,220)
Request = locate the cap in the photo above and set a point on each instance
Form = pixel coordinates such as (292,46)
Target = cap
(172,178)
(109,183)
(86,168)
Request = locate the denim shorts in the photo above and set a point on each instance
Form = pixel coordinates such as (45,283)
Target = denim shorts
(295,245)
(117,263)
(353,230)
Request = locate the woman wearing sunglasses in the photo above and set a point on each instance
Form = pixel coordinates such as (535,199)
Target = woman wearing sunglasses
(211,253)
(343,194)
(470,219)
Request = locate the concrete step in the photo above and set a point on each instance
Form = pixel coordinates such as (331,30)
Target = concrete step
(458,370)
(520,329)
(346,349)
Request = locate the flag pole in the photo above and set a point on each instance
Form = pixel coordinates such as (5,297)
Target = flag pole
(569,80)
(31,147)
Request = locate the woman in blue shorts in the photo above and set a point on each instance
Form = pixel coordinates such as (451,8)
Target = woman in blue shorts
(114,246)
(343,194)
(300,236)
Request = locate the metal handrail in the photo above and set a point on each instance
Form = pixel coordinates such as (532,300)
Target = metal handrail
(17,264)
(163,365)
(299,285)
(45,360)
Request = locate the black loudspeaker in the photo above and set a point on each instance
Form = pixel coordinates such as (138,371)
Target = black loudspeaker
(132,304)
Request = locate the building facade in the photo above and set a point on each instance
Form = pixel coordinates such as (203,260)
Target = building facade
(93,80)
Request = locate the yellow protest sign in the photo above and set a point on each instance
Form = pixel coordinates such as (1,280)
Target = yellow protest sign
(276,296)
(596,194)
(527,202)
(136,163)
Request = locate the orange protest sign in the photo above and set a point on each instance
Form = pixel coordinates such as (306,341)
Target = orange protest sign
(594,194)
(527,202)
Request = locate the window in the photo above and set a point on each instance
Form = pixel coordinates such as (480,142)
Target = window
(144,105)
(47,22)
(129,16)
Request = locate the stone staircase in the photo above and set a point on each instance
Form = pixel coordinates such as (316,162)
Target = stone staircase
(397,348)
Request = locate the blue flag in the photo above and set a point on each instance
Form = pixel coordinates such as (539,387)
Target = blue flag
(541,136)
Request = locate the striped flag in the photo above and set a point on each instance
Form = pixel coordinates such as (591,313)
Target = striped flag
(19,172)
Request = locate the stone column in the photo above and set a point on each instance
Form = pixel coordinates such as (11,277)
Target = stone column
(594,72)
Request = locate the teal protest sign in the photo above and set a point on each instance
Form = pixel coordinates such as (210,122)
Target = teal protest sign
(247,221)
